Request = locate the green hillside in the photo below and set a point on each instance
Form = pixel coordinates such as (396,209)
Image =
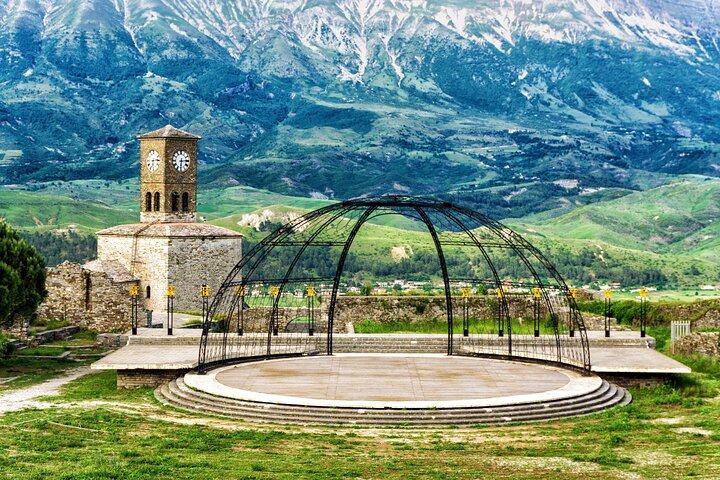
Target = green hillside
(665,236)
(27,210)
(676,218)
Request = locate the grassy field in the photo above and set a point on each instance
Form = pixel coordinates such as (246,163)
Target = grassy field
(476,326)
(29,371)
(669,432)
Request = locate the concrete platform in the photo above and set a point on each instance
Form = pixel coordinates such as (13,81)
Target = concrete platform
(408,390)
(393,381)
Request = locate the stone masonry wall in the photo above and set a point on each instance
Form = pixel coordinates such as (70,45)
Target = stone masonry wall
(150,264)
(86,298)
(705,343)
(193,262)
(421,308)
(146,378)
(183,262)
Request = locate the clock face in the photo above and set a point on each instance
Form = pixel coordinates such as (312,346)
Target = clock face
(181,160)
(152,160)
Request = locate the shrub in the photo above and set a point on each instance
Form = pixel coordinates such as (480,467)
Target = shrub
(22,277)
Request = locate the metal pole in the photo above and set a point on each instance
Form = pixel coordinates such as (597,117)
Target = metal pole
(444,270)
(607,313)
(134,293)
(170,307)
(500,319)
(275,293)
(241,315)
(466,311)
(311,310)
(572,296)
(643,312)
(134,315)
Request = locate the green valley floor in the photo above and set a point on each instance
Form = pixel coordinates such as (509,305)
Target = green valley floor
(90,430)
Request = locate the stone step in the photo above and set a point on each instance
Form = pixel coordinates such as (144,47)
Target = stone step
(343,343)
(179,395)
(603,394)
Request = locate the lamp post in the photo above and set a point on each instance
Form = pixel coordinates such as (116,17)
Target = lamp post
(240,292)
(311,310)
(500,310)
(607,296)
(465,292)
(643,311)
(170,306)
(572,295)
(205,294)
(537,294)
(134,293)
(274,293)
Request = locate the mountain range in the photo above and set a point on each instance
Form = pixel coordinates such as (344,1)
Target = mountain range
(512,106)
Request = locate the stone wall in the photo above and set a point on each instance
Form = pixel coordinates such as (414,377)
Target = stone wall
(704,343)
(146,378)
(702,314)
(151,264)
(257,319)
(183,262)
(422,308)
(86,298)
(17,330)
(193,262)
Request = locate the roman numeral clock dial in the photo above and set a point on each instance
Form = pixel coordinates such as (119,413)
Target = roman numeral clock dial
(152,161)
(181,161)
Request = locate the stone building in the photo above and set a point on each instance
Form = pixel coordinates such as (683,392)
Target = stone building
(167,248)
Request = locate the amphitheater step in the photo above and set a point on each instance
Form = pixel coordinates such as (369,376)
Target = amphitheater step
(179,395)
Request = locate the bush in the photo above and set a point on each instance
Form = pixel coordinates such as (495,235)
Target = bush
(5,346)
(22,277)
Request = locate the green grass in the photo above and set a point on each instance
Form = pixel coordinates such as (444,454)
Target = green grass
(132,437)
(41,351)
(671,218)
(32,371)
(49,324)
(439,326)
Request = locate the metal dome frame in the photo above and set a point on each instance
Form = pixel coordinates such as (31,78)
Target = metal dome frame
(335,227)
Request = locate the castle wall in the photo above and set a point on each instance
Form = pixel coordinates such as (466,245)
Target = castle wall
(87,298)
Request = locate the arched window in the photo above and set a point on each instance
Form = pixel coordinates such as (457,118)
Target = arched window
(148,202)
(147,291)
(185,202)
(174,201)
(157,201)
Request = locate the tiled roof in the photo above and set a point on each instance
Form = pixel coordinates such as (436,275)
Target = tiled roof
(168,131)
(169,230)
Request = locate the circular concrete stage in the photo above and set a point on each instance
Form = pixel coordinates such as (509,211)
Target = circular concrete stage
(384,389)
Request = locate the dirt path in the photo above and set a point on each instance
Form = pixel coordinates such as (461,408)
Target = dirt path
(25,397)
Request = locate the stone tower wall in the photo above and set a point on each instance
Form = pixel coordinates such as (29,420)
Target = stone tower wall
(193,262)
(167,179)
(150,264)
(183,262)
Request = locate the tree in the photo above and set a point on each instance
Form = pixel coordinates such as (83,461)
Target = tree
(22,277)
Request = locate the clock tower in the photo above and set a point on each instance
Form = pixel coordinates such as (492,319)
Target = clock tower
(168,176)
